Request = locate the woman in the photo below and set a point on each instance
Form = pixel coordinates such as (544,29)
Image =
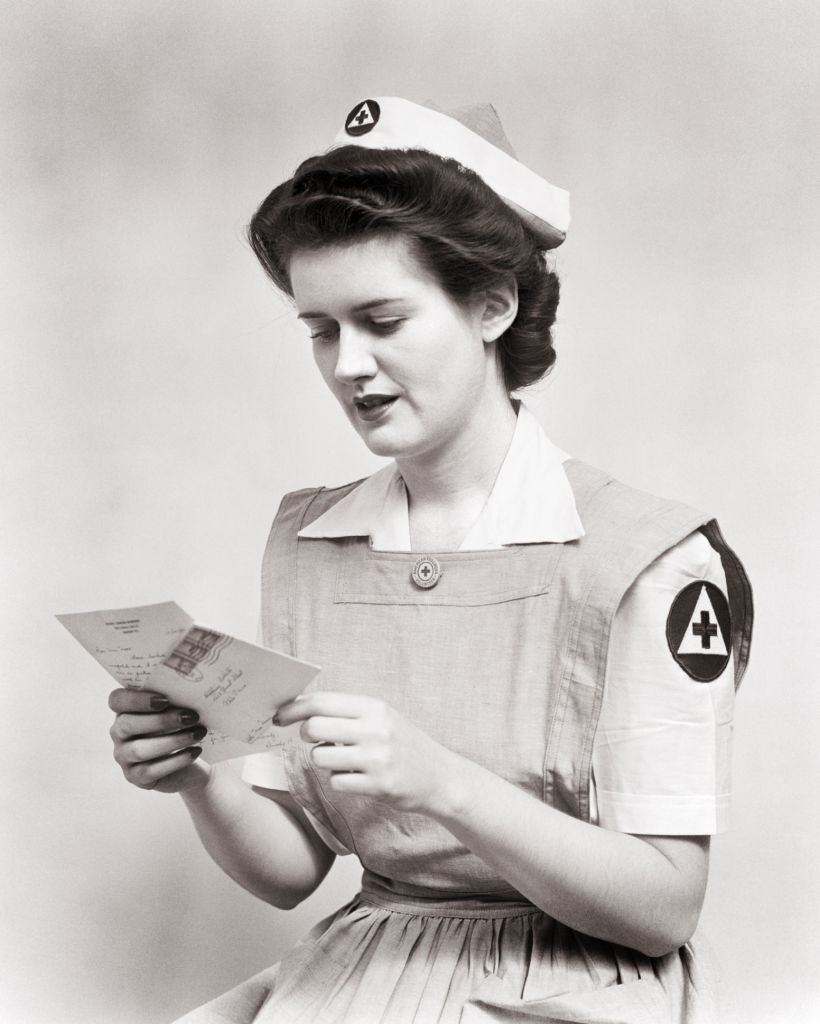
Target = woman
(522,723)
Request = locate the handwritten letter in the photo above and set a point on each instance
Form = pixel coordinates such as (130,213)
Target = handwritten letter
(235,686)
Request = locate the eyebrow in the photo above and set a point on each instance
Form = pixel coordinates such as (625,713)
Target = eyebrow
(356,309)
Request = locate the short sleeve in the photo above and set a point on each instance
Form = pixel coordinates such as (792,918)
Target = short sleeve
(266,769)
(662,753)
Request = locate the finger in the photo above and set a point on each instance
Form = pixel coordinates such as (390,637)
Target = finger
(147,774)
(337,759)
(151,748)
(126,727)
(322,729)
(130,701)
(354,782)
(323,702)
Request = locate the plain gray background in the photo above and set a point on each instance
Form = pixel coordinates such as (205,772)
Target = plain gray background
(158,399)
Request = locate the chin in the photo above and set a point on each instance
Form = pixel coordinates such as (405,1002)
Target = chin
(388,445)
(389,449)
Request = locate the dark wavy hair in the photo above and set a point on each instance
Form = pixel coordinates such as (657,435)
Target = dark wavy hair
(458,229)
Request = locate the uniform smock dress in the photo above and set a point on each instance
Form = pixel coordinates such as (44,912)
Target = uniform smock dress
(556,649)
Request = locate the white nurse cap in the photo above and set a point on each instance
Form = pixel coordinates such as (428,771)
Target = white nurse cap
(474,137)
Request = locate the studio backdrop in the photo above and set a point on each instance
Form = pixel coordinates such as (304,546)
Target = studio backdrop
(159,399)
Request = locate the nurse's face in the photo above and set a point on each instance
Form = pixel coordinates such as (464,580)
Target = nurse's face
(407,364)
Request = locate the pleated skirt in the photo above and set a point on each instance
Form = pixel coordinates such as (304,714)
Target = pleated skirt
(387,959)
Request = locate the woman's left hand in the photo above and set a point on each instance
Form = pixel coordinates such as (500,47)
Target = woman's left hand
(383,756)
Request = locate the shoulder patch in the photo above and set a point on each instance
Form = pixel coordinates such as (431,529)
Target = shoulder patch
(699,630)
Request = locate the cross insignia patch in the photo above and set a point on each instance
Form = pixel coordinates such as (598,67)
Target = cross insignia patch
(363,118)
(699,630)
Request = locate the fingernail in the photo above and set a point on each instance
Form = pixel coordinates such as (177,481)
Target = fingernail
(275,719)
(159,703)
(194,752)
(188,717)
(199,733)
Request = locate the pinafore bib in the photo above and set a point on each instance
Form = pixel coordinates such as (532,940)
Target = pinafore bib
(502,661)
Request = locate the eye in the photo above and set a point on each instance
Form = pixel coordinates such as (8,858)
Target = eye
(324,335)
(387,326)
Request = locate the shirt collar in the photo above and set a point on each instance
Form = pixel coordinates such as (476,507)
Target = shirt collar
(531,501)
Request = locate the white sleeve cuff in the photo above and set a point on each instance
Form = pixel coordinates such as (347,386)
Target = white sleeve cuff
(646,814)
(266,770)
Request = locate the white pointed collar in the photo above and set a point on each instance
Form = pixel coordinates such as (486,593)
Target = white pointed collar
(531,501)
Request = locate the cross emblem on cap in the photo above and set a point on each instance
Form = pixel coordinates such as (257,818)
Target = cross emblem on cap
(363,118)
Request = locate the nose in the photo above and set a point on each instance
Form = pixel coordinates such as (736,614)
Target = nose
(354,356)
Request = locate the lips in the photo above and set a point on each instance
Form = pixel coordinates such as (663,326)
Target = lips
(369,401)
(374,407)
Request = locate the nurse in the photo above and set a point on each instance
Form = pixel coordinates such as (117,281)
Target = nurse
(523,721)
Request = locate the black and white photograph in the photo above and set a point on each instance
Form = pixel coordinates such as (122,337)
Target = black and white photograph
(410,512)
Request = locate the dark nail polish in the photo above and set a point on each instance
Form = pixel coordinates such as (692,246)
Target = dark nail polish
(188,717)
(199,733)
(194,752)
(159,703)
(275,719)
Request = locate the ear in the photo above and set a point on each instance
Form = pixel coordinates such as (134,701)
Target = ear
(500,308)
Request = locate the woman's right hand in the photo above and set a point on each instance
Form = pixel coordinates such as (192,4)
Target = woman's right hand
(148,733)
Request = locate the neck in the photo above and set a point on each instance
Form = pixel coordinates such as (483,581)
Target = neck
(461,475)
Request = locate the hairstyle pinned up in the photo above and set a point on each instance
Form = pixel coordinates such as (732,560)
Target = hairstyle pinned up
(458,229)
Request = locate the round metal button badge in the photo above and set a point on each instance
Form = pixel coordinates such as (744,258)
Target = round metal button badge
(426,572)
